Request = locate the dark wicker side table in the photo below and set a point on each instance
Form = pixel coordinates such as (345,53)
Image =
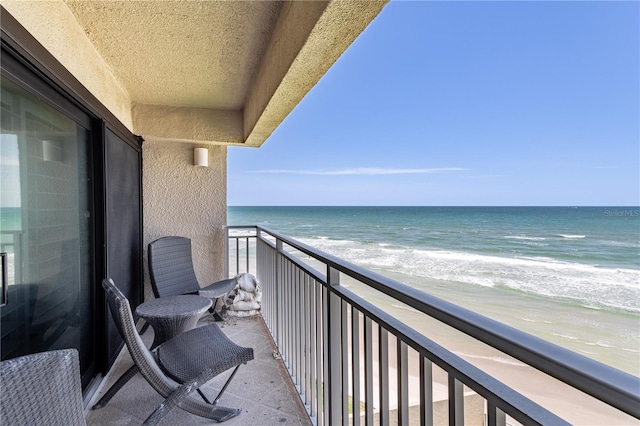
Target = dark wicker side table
(172,315)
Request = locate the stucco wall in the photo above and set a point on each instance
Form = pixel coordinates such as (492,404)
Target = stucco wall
(184,200)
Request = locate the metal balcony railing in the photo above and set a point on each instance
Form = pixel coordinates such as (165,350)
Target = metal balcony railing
(11,242)
(336,346)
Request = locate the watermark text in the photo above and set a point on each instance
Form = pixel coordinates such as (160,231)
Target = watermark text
(622,213)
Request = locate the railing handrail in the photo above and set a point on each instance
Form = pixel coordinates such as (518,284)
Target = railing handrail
(615,387)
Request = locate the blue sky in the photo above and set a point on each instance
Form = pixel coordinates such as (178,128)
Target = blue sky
(464,103)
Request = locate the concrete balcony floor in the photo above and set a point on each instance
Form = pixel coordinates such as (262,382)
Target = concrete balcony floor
(262,388)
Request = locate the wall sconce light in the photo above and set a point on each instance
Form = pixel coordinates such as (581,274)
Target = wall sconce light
(52,151)
(201,157)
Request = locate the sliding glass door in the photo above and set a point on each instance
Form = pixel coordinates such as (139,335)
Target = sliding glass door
(46,227)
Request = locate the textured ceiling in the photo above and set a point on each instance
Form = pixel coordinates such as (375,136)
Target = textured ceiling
(201,54)
(196,71)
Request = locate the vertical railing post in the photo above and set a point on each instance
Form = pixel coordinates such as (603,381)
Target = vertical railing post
(313,372)
(368,371)
(247,253)
(355,364)
(285,307)
(306,299)
(426,392)
(335,350)
(326,356)
(321,354)
(495,416)
(344,332)
(403,383)
(276,291)
(237,255)
(383,362)
(456,402)
(296,320)
(18,257)
(226,252)
(263,272)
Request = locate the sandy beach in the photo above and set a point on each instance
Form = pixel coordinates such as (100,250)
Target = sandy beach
(570,404)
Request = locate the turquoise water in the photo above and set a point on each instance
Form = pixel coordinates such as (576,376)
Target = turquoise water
(569,275)
(10,219)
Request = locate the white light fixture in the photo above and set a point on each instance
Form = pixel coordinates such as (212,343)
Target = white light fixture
(201,157)
(51,151)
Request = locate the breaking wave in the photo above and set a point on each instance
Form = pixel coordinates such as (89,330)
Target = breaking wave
(588,285)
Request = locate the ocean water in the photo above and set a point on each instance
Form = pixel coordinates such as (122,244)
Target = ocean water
(10,219)
(568,275)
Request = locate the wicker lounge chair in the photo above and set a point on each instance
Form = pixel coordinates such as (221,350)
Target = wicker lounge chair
(182,364)
(171,270)
(42,389)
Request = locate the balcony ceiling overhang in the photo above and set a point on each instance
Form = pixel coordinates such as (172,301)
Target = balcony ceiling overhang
(218,71)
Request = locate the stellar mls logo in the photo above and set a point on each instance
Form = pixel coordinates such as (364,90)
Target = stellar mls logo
(622,213)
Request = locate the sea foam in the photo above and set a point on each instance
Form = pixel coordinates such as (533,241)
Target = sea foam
(597,287)
(524,237)
(499,359)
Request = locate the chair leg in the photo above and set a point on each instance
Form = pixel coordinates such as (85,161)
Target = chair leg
(224,388)
(144,327)
(216,316)
(174,398)
(122,380)
(204,397)
(219,414)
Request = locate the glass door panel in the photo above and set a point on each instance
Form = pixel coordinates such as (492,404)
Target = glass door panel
(45,228)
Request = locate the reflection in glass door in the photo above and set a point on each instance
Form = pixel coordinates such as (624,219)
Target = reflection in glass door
(45,228)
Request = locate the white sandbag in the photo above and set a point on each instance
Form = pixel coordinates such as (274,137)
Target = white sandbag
(244,306)
(241,314)
(245,298)
(247,282)
(257,296)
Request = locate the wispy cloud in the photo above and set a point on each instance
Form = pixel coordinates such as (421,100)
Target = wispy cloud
(362,171)
(481,176)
